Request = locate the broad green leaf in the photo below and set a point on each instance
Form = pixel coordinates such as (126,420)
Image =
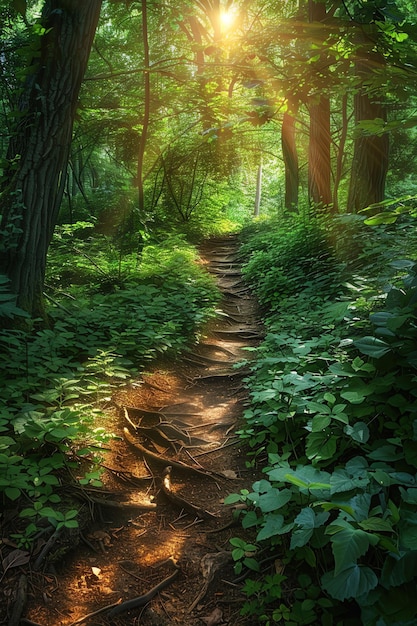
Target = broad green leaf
(272,500)
(386,452)
(273,525)
(300,537)
(307,520)
(399,569)
(348,545)
(384,217)
(318,407)
(408,531)
(340,481)
(351,582)
(320,422)
(373,347)
(409,496)
(12,493)
(359,365)
(376,523)
(357,466)
(321,446)
(250,519)
(6,442)
(361,504)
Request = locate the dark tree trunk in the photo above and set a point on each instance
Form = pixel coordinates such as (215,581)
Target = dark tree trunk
(371,153)
(146,114)
(290,156)
(258,192)
(38,151)
(319,165)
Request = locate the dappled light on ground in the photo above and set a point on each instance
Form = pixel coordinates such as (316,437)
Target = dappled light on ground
(183,416)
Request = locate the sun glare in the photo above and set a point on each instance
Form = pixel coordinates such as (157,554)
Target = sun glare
(227,17)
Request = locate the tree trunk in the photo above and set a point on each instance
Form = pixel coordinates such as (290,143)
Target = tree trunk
(371,153)
(319,164)
(146,114)
(290,156)
(39,149)
(258,193)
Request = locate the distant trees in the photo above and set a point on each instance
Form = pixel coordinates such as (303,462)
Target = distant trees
(181,104)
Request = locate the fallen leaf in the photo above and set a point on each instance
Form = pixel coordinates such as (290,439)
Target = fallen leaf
(229,474)
(96,571)
(215,618)
(15,558)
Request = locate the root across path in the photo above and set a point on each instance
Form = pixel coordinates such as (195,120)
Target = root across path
(157,551)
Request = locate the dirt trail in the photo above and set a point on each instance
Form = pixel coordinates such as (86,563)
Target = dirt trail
(186,412)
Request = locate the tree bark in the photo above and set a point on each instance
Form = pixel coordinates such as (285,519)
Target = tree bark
(319,163)
(38,151)
(146,115)
(371,153)
(258,193)
(290,156)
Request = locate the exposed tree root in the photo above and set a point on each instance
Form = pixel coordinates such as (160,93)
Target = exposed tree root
(161,460)
(179,501)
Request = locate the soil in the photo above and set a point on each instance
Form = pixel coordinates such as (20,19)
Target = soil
(148,525)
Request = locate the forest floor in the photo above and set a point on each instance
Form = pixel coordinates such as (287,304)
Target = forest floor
(161,540)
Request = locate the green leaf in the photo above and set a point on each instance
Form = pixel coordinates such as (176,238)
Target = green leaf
(274,499)
(348,545)
(373,347)
(376,523)
(273,526)
(340,481)
(12,493)
(321,446)
(320,422)
(408,533)
(386,452)
(250,519)
(307,520)
(358,432)
(399,569)
(352,582)
(71,523)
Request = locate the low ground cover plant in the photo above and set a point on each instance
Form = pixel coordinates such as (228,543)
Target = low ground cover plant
(109,316)
(333,424)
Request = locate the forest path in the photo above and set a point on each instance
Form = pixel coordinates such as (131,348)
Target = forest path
(184,412)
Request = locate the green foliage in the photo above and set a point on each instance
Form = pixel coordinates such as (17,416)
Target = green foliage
(8,306)
(332,420)
(280,260)
(54,380)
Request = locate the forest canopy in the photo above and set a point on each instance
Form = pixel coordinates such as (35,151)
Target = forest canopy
(130,132)
(147,115)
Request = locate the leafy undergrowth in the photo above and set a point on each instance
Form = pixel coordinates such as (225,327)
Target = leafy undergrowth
(110,315)
(333,423)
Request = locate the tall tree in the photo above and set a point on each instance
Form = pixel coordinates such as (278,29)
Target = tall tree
(39,148)
(371,152)
(319,163)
